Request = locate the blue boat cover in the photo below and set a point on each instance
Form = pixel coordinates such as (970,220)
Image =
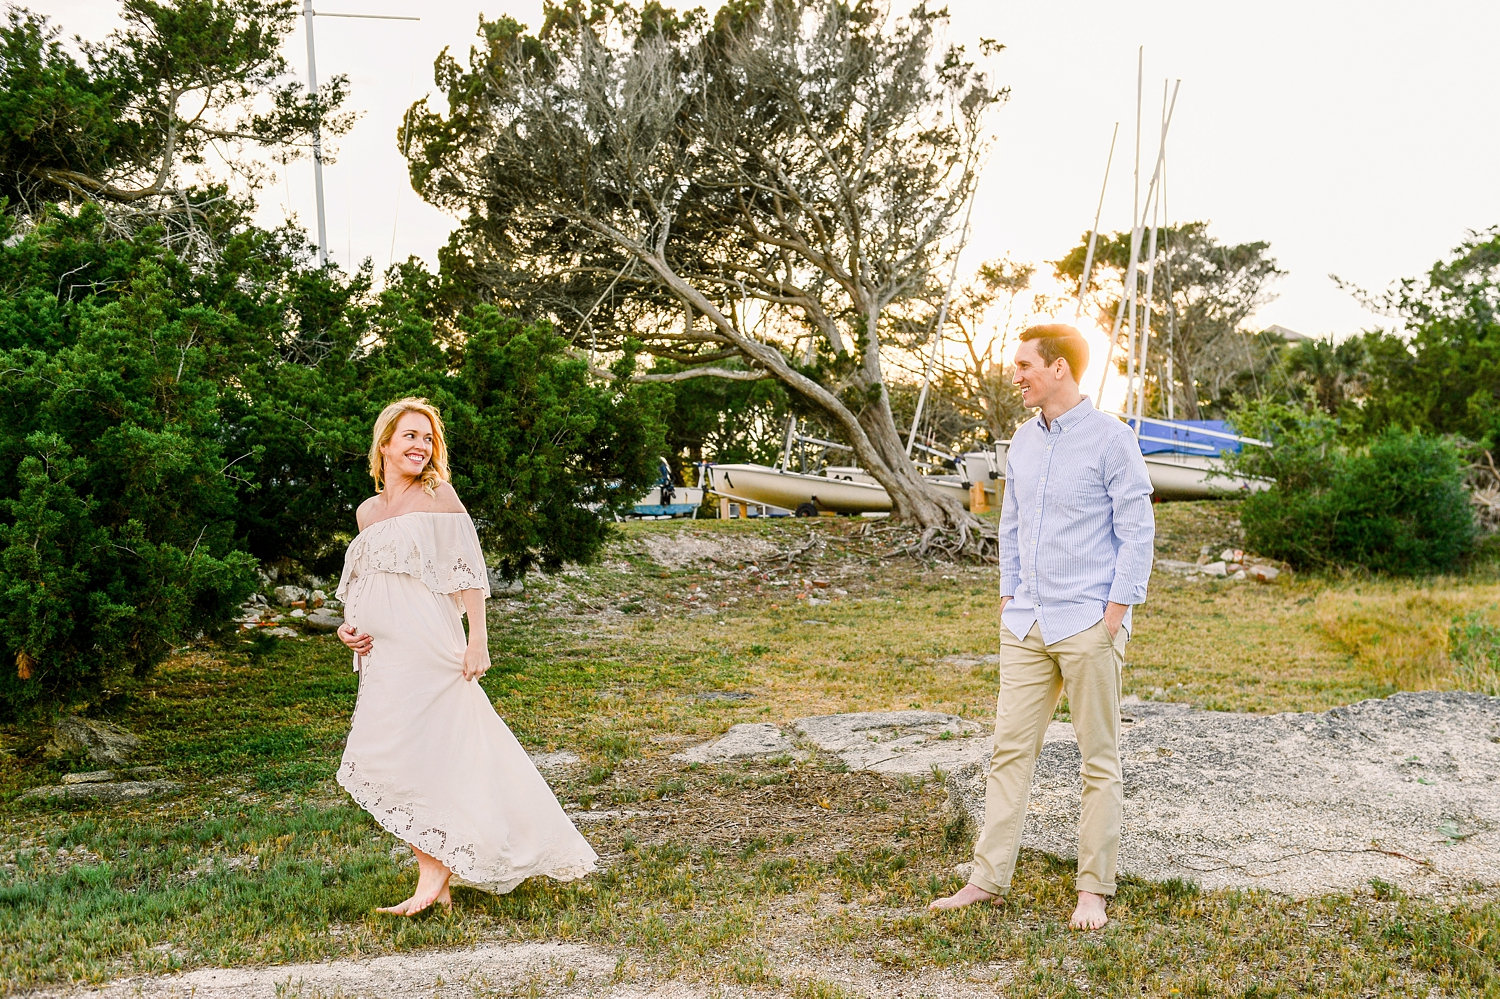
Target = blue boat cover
(1185,436)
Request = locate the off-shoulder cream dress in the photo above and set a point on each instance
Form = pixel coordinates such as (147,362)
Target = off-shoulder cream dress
(427,755)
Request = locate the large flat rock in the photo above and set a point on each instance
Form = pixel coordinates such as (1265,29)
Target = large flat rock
(1405,789)
(103,792)
(898,742)
(741,742)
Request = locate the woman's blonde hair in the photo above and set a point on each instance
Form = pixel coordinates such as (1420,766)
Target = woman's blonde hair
(385,428)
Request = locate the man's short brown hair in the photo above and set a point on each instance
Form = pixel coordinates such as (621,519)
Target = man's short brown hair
(1054,340)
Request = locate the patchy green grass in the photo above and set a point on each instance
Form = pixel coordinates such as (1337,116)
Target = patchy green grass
(264,860)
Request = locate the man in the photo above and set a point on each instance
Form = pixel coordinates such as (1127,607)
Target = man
(1076,533)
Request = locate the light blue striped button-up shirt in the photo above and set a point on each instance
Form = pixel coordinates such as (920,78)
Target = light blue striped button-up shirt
(1076,526)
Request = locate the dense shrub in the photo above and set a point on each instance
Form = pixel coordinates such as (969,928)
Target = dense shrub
(1396,504)
(165,427)
(117,522)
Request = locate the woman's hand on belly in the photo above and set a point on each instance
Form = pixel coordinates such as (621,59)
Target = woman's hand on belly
(358,642)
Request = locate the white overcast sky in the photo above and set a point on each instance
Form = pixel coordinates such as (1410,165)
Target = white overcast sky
(1359,137)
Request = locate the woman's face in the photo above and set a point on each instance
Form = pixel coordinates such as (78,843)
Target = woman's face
(409,450)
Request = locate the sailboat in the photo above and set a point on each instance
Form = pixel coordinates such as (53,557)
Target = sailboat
(842,488)
(1185,458)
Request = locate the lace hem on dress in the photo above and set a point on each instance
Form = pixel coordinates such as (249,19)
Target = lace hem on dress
(401,819)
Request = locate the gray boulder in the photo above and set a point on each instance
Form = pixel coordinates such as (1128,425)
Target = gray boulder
(100,741)
(289,594)
(500,586)
(553,763)
(1405,789)
(897,742)
(91,777)
(103,793)
(741,742)
(323,619)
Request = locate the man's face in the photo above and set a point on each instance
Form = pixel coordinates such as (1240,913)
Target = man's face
(1037,379)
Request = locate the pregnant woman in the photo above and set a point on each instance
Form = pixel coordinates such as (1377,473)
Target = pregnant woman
(427,755)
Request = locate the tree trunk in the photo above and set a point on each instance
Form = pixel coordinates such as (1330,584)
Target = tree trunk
(912,501)
(1190,409)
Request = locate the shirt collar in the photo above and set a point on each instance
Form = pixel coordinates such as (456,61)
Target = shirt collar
(1067,421)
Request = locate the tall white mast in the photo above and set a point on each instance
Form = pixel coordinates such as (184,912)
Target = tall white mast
(942,317)
(312,87)
(1153,199)
(1135,236)
(1088,257)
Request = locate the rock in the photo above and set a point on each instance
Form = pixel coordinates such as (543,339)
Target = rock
(1262,573)
(897,742)
(323,619)
(1214,569)
(1176,568)
(972,661)
(91,777)
(281,631)
(317,598)
(298,612)
(1402,789)
(1239,574)
(100,741)
(741,742)
(1232,555)
(289,594)
(500,586)
(297,605)
(722,696)
(107,793)
(549,763)
(315,583)
(258,600)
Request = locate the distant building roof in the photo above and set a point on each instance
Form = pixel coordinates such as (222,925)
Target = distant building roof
(1289,335)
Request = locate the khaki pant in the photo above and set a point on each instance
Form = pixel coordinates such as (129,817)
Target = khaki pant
(1033,676)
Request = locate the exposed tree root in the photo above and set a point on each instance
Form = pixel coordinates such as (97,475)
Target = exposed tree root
(970,540)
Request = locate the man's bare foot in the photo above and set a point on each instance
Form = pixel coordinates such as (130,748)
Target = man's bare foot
(1090,912)
(967,895)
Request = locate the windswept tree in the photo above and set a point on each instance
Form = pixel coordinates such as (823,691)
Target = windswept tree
(129,126)
(981,322)
(778,184)
(1203,293)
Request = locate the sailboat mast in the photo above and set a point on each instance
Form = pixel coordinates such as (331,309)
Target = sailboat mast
(937,333)
(312,86)
(317,137)
(1135,239)
(1153,199)
(1088,257)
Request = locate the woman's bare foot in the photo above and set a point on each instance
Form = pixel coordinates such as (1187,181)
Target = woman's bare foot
(432,887)
(967,895)
(1090,912)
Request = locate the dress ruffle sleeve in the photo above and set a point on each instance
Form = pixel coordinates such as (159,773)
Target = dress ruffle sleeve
(440,549)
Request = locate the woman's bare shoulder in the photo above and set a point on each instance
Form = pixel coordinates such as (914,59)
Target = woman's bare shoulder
(445,499)
(366,514)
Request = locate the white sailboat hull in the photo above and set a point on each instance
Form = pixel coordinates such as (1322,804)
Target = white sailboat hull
(762,484)
(1183,476)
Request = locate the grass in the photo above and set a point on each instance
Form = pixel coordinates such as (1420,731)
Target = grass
(717,870)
